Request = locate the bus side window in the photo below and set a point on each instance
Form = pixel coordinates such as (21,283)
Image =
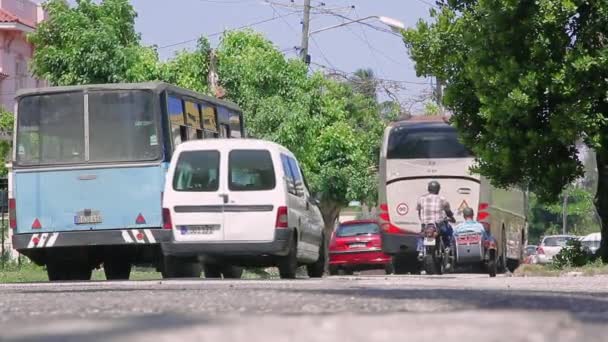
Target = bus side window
(209,120)
(175,108)
(193,120)
(235,124)
(224,131)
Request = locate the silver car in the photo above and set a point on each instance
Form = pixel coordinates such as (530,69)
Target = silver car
(550,246)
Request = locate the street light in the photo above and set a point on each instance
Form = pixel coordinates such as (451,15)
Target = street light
(394,24)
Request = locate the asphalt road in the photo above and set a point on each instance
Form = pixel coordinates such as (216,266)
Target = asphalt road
(337,309)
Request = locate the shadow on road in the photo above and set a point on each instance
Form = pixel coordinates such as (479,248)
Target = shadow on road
(108,330)
(587,307)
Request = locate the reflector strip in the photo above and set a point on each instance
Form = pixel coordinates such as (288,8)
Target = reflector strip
(126,237)
(150,236)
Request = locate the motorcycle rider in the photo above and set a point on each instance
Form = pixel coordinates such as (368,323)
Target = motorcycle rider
(435,209)
(470,225)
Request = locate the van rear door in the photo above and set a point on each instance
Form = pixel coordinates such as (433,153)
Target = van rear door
(254,196)
(194,196)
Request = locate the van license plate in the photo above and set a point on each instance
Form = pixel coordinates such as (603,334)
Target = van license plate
(199,230)
(84,219)
(429,242)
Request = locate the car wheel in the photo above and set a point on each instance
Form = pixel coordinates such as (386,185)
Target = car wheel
(288,265)
(317,269)
(333,270)
(117,269)
(174,267)
(232,272)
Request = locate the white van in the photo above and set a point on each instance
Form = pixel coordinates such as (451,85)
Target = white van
(241,202)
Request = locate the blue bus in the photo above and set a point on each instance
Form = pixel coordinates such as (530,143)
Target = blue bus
(88,171)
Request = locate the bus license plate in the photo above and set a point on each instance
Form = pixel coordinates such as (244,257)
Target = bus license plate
(429,242)
(199,230)
(90,219)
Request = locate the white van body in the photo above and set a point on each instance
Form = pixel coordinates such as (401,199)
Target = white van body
(225,198)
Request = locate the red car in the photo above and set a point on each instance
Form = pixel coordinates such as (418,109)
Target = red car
(356,246)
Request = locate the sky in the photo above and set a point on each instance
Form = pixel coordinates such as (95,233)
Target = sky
(169,23)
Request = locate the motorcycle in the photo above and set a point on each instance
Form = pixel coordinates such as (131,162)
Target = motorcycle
(434,258)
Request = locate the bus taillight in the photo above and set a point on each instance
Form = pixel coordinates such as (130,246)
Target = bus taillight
(12,213)
(482,212)
(167,223)
(385,221)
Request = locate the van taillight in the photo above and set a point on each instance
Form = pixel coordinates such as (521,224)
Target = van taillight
(12,213)
(385,221)
(282,219)
(167,223)
(482,212)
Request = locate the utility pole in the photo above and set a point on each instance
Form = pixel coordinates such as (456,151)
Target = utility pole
(305,32)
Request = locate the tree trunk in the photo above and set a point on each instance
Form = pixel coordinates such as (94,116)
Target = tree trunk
(330,211)
(601,198)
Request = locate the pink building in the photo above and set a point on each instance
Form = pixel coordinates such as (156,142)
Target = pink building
(17,19)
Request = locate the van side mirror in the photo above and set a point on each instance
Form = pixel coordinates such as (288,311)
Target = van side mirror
(315,199)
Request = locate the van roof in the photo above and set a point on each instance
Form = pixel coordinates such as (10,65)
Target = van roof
(247,144)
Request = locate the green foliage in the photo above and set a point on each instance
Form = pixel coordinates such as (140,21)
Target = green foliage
(572,255)
(189,69)
(7,120)
(431,109)
(90,43)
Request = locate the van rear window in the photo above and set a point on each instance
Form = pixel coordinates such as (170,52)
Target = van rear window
(250,170)
(197,171)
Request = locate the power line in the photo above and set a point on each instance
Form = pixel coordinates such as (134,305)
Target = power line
(377,78)
(221,32)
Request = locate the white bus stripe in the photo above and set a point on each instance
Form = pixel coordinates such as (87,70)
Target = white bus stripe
(52,240)
(150,236)
(43,239)
(126,236)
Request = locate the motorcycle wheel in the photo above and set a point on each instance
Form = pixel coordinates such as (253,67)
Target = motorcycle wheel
(440,257)
(428,263)
(492,264)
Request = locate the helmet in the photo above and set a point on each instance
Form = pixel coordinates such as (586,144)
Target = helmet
(468,212)
(434,187)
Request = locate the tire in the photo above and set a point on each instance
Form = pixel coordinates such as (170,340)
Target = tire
(492,265)
(117,269)
(212,271)
(389,269)
(429,264)
(179,268)
(333,270)
(405,263)
(512,265)
(288,265)
(502,263)
(232,272)
(317,269)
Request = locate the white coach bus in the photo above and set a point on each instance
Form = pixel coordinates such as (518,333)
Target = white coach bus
(417,151)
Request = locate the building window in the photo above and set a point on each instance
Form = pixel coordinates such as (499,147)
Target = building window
(20,74)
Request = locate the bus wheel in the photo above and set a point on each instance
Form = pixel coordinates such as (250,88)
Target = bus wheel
(117,269)
(58,270)
(174,267)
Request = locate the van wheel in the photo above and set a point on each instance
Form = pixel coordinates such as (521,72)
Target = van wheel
(317,269)
(174,267)
(288,265)
(117,269)
(213,271)
(232,272)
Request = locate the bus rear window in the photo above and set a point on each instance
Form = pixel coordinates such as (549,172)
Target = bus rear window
(50,129)
(432,142)
(197,171)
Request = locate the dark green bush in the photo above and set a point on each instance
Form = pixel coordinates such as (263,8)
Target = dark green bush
(572,255)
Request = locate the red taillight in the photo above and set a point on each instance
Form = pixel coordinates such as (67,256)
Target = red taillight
(282,219)
(482,213)
(12,213)
(385,221)
(540,250)
(36,224)
(167,223)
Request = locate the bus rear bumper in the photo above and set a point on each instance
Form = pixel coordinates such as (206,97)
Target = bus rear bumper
(135,237)
(393,244)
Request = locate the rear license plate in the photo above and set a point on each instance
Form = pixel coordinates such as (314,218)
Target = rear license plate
(429,242)
(199,230)
(90,219)
(357,245)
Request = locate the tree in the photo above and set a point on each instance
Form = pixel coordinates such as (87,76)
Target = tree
(6,126)
(90,43)
(333,131)
(526,82)
(365,83)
